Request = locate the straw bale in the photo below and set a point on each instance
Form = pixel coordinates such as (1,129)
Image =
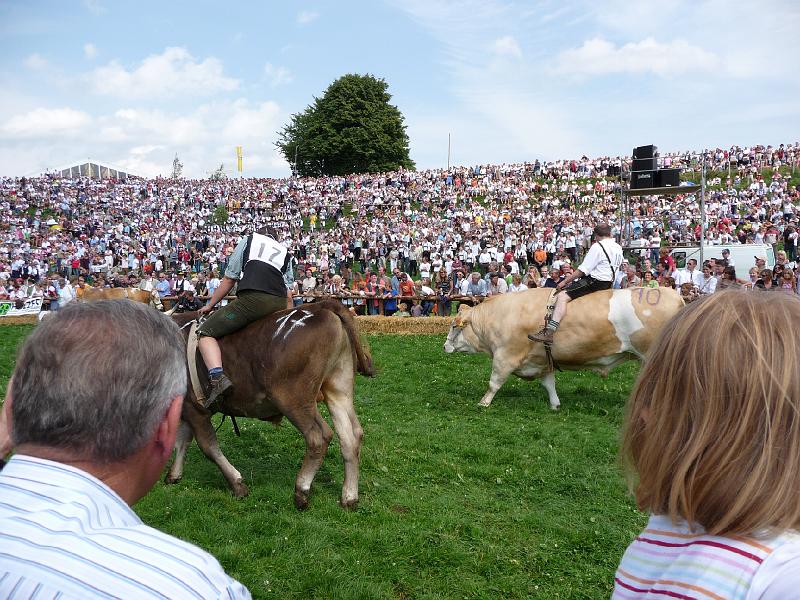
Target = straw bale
(20,320)
(404,325)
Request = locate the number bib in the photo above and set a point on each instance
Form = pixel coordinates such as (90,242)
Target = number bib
(264,249)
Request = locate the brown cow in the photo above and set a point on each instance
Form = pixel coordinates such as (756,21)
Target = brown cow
(281,366)
(91,294)
(600,331)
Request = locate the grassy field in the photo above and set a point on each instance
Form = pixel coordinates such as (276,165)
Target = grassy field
(514,501)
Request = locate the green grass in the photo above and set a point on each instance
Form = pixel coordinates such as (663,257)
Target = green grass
(514,501)
(10,339)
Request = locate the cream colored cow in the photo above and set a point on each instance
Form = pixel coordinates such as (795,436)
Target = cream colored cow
(135,294)
(600,331)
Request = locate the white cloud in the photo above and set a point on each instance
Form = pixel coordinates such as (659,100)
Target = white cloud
(509,117)
(89,50)
(174,72)
(36,62)
(306,16)
(44,122)
(278,75)
(145,140)
(507,46)
(95,7)
(600,57)
(246,122)
(144,150)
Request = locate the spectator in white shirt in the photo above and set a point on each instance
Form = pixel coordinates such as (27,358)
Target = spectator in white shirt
(689,275)
(726,255)
(516,284)
(497,285)
(66,293)
(69,422)
(621,274)
(708,283)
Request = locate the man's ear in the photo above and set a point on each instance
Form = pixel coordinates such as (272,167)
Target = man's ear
(6,445)
(168,428)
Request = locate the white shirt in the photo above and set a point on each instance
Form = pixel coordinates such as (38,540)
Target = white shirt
(500,288)
(309,283)
(596,265)
(64,532)
(707,286)
(66,294)
(686,276)
(621,274)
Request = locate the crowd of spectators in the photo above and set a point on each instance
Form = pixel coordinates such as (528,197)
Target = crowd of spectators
(400,242)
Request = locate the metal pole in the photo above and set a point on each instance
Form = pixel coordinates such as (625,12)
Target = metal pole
(702,207)
(448,151)
(622,233)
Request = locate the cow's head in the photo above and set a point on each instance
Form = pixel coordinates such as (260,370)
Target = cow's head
(155,300)
(456,340)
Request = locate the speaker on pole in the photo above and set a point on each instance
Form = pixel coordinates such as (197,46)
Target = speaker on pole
(644,164)
(643,179)
(668,177)
(650,151)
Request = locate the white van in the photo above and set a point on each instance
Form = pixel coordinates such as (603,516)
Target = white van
(743,255)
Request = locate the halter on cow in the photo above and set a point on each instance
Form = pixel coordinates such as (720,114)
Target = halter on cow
(280,368)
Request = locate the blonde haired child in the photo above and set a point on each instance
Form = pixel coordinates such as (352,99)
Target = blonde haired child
(711,445)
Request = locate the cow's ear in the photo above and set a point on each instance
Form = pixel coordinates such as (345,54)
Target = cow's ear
(462,308)
(462,319)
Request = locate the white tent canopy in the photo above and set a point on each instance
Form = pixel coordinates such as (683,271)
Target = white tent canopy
(92,168)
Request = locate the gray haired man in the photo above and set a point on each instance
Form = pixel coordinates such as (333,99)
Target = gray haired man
(92,413)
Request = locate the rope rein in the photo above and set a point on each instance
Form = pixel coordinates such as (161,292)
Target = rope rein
(548,346)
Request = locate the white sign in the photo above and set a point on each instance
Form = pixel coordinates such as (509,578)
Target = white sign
(32,306)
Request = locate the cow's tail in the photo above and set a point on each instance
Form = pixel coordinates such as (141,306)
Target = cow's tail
(361,354)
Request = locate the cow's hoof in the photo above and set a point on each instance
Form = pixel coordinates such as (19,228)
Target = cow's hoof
(239,490)
(556,407)
(349,504)
(485,403)
(301,499)
(170,479)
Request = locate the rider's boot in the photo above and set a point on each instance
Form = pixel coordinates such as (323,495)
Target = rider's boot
(219,385)
(546,335)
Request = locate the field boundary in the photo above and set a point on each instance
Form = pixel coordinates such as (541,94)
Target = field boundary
(372,325)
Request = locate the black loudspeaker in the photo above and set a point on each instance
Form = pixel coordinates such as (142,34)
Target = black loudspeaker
(614,171)
(644,164)
(643,179)
(645,151)
(668,177)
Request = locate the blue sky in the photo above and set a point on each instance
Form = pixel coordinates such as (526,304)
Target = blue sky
(134,83)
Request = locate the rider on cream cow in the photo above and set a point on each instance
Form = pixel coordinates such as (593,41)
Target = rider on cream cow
(597,272)
(257,263)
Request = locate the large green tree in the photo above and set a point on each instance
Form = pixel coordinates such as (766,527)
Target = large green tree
(352,128)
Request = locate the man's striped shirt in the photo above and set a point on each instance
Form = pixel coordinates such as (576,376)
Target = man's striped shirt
(65,534)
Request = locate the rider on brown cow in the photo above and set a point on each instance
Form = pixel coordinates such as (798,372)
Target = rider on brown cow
(257,264)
